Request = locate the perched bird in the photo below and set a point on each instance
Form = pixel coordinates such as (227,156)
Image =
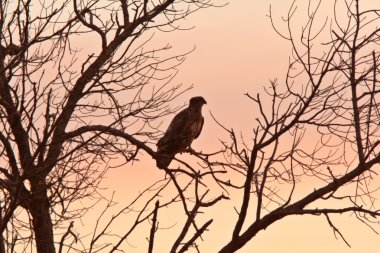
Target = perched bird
(184,128)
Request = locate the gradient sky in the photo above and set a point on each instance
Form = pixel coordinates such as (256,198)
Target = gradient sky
(237,51)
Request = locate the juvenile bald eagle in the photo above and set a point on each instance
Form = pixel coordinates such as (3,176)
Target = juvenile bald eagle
(184,128)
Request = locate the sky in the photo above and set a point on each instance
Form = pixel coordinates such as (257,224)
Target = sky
(237,51)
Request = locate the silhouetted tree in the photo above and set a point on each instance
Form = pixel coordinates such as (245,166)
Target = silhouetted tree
(321,122)
(67,109)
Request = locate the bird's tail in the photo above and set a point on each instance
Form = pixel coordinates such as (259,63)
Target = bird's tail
(163,160)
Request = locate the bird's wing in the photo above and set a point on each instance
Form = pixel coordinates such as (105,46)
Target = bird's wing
(201,122)
(176,127)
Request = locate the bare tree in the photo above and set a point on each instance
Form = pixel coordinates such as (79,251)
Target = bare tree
(321,122)
(68,110)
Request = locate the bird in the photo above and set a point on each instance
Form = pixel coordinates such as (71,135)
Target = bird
(183,129)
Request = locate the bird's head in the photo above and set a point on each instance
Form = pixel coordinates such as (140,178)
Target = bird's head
(197,102)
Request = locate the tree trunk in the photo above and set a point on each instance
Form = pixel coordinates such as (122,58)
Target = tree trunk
(42,223)
(2,243)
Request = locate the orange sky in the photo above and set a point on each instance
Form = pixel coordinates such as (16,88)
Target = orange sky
(238,52)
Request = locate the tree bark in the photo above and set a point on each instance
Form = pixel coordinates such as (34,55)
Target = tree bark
(41,219)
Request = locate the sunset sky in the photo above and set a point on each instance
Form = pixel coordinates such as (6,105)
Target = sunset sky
(237,51)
